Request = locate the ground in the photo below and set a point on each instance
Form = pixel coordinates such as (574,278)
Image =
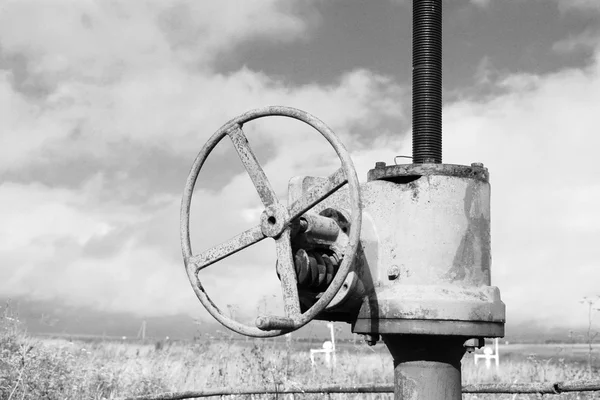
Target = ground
(46,368)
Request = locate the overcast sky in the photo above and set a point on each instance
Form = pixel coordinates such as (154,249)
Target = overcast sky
(105,104)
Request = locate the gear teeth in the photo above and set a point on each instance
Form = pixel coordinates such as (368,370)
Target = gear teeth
(315,269)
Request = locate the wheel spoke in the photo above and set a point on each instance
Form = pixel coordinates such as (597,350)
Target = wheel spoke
(287,274)
(318,193)
(258,176)
(227,248)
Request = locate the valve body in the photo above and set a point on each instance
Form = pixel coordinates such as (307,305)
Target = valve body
(425,256)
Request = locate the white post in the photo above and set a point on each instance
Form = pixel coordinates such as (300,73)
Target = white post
(488,355)
(332,329)
(497,353)
(328,349)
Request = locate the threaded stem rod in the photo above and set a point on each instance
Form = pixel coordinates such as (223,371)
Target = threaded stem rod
(427,81)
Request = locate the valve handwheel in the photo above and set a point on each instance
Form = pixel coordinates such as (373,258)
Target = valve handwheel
(275,222)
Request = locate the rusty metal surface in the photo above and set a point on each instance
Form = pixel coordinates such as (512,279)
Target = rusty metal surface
(287,275)
(269,323)
(274,219)
(337,208)
(392,172)
(425,367)
(258,176)
(428,327)
(592,385)
(435,231)
(225,249)
(315,269)
(426,256)
(320,227)
(276,222)
(436,302)
(319,192)
(275,389)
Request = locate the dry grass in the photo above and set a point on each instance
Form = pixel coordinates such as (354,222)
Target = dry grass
(58,369)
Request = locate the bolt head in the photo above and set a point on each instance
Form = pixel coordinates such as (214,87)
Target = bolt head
(372,339)
(393,272)
(477,165)
(380,164)
(473,343)
(273,220)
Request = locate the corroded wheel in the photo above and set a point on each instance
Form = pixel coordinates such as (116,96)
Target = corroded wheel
(275,222)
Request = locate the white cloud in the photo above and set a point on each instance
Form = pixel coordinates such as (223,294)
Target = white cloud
(95,76)
(87,86)
(98,39)
(100,74)
(539,141)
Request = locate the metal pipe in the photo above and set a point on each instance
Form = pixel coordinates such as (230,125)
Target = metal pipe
(319,227)
(427,81)
(426,367)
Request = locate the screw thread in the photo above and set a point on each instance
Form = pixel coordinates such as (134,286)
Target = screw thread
(427,81)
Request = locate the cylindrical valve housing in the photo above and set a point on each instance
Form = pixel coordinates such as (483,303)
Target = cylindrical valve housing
(426,242)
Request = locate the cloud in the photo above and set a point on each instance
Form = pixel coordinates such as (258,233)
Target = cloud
(481,3)
(99,40)
(586,40)
(564,5)
(135,245)
(538,139)
(82,70)
(582,5)
(105,105)
(108,103)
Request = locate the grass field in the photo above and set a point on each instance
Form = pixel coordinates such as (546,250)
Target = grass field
(32,368)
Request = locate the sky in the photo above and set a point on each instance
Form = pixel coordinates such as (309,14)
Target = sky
(105,105)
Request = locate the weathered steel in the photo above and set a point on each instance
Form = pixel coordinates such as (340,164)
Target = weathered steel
(315,269)
(258,176)
(426,367)
(486,388)
(276,220)
(289,284)
(436,230)
(269,323)
(232,246)
(303,271)
(275,389)
(320,227)
(429,327)
(433,232)
(403,172)
(318,193)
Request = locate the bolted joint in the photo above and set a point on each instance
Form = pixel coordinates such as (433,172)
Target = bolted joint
(372,339)
(475,343)
(393,272)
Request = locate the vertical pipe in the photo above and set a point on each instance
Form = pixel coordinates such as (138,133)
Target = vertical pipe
(426,367)
(427,81)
